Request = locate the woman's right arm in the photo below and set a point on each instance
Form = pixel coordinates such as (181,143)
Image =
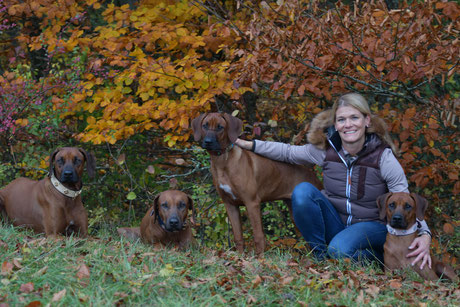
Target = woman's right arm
(304,154)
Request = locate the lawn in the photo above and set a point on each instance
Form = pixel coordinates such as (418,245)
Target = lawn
(105,270)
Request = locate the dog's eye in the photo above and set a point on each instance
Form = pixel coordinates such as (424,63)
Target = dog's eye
(76,161)
(60,161)
(407,206)
(164,205)
(206,126)
(391,205)
(181,205)
(219,127)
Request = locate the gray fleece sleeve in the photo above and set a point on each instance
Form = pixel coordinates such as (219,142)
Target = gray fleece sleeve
(392,172)
(293,154)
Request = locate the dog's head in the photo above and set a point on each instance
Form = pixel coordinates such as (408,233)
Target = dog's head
(67,164)
(401,209)
(216,130)
(170,210)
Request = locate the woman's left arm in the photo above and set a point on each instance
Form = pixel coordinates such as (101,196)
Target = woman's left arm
(422,250)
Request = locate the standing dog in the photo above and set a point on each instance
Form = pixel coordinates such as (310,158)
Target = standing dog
(244,178)
(165,222)
(403,212)
(52,205)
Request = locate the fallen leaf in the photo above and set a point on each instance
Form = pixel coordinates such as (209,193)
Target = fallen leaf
(7,268)
(26,288)
(83,274)
(373,290)
(41,271)
(286,280)
(394,284)
(59,295)
(256,281)
(180,161)
(34,304)
(17,263)
(251,299)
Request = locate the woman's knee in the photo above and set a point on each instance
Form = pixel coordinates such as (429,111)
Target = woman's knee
(302,195)
(339,249)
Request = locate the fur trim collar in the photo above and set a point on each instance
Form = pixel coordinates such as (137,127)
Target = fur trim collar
(318,131)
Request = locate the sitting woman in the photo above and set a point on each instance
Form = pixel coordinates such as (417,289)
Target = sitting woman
(356,153)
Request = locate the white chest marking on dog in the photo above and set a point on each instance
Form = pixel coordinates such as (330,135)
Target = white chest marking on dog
(227,190)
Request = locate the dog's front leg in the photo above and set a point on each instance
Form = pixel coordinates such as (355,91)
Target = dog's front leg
(255,218)
(233,212)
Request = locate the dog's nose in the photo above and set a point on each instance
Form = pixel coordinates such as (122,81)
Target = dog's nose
(67,174)
(174,222)
(397,218)
(208,140)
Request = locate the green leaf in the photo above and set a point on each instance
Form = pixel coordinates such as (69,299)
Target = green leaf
(131,196)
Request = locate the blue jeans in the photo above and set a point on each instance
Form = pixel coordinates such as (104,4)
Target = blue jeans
(322,228)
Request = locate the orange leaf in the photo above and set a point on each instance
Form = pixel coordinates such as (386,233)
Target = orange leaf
(448,228)
(394,284)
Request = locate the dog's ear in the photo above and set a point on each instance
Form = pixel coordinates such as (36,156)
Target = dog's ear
(154,211)
(196,127)
(422,203)
(381,203)
(51,160)
(191,207)
(235,126)
(90,162)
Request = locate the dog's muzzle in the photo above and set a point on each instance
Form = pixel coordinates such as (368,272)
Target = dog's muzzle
(398,221)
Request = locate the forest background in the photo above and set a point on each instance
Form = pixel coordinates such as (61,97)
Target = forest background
(124,79)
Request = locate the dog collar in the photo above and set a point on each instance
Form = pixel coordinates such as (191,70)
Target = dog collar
(404,232)
(220,152)
(62,189)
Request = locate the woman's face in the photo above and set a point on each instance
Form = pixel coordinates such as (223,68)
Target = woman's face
(351,125)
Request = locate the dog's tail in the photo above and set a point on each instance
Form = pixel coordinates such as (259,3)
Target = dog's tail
(445,271)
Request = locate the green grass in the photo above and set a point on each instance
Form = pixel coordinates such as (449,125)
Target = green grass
(35,269)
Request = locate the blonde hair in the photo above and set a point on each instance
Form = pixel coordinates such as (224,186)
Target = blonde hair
(377,125)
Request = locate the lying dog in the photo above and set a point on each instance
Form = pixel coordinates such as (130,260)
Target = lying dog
(52,205)
(404,212)
(244,178)
(165,222)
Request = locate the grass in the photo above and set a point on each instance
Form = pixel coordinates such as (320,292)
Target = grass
(106,270)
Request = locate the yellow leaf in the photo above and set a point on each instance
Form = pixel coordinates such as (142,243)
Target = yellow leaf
(91,120)
(145,96)
(181,32)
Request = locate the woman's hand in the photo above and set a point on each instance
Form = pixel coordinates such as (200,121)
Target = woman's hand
(422,250)
(244,144)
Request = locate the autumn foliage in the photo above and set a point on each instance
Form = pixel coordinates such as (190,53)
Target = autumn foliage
(102,72)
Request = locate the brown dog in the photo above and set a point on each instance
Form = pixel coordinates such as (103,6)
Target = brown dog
(244,178)
(165,222)
(52,205)
(403,211)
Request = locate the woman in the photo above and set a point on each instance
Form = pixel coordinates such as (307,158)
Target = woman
(357,156)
